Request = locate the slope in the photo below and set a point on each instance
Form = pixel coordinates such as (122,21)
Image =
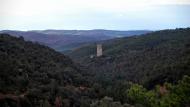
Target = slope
(154,58)
(32,74)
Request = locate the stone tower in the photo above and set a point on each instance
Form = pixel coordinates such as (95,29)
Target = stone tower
(99,50)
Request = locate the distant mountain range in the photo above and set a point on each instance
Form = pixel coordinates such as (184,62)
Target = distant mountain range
(65,40)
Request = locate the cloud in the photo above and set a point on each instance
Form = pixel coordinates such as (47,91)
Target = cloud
(36,7)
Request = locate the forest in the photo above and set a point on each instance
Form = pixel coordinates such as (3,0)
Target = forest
(151,70)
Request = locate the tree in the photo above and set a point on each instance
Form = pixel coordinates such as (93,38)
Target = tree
(175,95)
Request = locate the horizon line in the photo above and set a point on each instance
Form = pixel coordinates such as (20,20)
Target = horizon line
(92,29)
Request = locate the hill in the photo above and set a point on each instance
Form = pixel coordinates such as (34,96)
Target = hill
(137,71)
(66,40)
(154,58)
(32,74)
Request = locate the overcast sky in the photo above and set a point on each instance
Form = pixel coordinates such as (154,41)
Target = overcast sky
(94,14)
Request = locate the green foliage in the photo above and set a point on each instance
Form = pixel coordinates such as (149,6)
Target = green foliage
(36,71)
(137,93)
(176,95)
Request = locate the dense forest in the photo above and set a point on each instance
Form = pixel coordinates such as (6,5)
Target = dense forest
(151,70)
(149,59)
(33,75)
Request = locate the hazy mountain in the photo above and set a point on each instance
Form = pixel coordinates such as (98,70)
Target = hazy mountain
(64,40)
(95,32)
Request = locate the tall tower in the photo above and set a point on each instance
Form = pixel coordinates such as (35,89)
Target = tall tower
(99,50)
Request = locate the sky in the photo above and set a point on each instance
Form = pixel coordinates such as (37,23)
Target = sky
(94,14)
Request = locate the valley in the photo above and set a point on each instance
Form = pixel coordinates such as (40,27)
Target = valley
(67,40)
(138,70)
